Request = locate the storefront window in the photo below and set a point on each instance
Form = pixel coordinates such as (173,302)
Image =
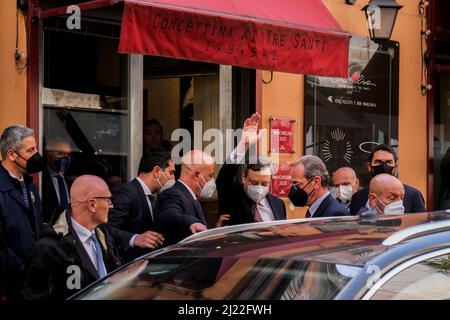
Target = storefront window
(346,118)
(84,99)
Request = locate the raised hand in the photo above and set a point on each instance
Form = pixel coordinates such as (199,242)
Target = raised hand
(250,134)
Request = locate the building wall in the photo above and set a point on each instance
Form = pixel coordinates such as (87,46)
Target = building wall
(13,82)
(284,96)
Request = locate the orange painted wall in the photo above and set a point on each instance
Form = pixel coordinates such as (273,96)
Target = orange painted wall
(13,82)
(284,96)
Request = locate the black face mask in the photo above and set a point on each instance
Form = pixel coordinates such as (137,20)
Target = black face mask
(62,164)
(298,196)
(381,168)
(35,163)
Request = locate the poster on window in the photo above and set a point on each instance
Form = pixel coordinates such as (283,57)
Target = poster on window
(282,135)
(281,179)
(346,118)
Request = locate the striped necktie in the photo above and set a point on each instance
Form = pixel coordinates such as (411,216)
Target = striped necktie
(25,193)
(101,268)
(258,217)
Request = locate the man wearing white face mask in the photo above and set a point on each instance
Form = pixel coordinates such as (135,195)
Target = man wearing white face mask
(386,195)
(249,201)
(178,210)
(345,185)
(132,218)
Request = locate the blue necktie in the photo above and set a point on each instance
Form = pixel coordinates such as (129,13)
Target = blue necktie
(63,201)
(25,193)
(101,269)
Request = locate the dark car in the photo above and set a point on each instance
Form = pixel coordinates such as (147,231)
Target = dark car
(385,257)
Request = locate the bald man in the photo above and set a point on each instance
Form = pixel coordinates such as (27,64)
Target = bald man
(386,195)
(345,185)
(78,250)
(178,210)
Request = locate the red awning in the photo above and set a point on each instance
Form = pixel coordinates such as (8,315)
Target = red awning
(296,36)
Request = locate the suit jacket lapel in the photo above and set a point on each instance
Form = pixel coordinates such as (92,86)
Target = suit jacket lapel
(322,206)
(183,188)
(19,198)
(143,200)
(248,203)
(84,257)
(275,212)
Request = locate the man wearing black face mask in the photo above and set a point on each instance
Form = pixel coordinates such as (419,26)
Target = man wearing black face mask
(20,205)
(310,180)
(383,159)
(55,191)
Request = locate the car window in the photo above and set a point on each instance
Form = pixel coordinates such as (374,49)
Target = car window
(427,280)
(220,278)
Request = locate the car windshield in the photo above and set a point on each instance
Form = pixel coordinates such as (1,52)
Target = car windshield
(221,278)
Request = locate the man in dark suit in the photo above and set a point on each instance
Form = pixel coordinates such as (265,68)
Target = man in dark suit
(20,205)
(55,191)
(249,201)
(78,249)
(310,180)
(383,159)
(178,211)
(133,215)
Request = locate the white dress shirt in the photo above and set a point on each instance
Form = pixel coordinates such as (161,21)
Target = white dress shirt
(84,235)
(316,204)
(265,210)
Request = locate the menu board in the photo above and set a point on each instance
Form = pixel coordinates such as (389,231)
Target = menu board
(346,118)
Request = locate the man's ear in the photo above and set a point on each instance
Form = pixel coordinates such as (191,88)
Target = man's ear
(91,205)
(372,200)
(369,167)
(318,181)
(156,170)
(12,156)
(357,183)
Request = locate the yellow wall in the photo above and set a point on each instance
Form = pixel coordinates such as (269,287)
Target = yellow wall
(13,82)
(284,96)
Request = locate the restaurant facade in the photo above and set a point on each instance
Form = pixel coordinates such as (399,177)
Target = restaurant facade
(308,67)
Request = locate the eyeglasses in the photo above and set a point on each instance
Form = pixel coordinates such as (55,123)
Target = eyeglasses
(108,199)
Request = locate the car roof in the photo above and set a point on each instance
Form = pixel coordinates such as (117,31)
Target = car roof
(340,240)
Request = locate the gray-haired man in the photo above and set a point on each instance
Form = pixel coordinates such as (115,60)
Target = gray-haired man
(310,180)
(20,205)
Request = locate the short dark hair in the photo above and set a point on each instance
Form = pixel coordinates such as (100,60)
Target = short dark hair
(260,164)
(382,147)
(154,157)
(153,121)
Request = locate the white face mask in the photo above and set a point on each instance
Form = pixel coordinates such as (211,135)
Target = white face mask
(344,192)
(393,208)
(257,193)
(167,185)
(208,189)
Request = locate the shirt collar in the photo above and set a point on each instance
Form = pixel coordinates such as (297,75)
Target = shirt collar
(144,186)
(13,176)
(313,208)
(189,188)
(83,233)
